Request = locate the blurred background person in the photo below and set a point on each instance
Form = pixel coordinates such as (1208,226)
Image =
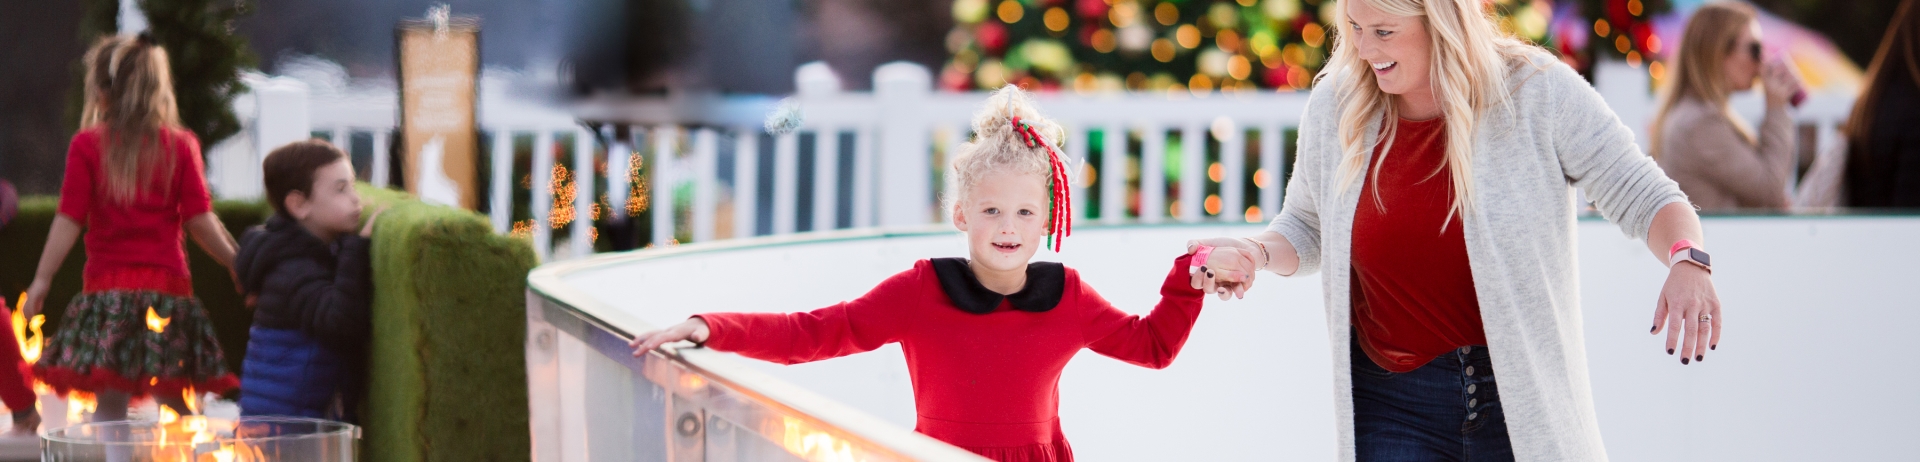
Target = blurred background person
(1719,161)
(1878,165)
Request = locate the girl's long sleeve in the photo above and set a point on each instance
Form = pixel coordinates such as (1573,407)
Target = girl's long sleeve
(1147,341)
(860,325)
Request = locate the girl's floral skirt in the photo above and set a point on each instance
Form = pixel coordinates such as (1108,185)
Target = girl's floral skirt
(142,343)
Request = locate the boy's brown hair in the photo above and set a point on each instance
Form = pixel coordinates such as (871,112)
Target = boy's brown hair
(290,168)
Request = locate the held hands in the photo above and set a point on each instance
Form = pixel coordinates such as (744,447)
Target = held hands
(1690,307)
(692,330)
(1229,270)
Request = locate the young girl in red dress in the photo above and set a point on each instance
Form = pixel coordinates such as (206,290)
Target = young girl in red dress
(985,337)
(134,180)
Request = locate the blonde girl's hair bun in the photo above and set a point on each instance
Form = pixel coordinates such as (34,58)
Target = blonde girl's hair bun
(994,122)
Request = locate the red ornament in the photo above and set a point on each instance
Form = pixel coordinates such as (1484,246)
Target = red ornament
(1090,9)
(992,37)
(1276,78)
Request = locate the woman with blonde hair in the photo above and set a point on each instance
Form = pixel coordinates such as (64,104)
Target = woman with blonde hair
(1719,162)
(1433,187)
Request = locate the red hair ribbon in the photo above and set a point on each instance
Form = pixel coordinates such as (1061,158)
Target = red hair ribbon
(1060,202)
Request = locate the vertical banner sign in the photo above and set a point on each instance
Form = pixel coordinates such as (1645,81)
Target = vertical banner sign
(439,65)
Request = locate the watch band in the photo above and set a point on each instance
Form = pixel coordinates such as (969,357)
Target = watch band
(1692,255)
(1681,244)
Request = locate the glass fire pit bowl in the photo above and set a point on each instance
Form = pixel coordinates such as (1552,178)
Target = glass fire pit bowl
(200,439)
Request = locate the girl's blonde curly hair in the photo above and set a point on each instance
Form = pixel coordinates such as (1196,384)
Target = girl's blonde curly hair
(997,148)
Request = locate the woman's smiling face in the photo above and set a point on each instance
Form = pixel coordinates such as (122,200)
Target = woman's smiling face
(1397,47)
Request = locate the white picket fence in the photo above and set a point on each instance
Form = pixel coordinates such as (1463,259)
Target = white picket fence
(897,133)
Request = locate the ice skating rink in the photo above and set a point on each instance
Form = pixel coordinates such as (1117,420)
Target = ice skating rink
(1817,362)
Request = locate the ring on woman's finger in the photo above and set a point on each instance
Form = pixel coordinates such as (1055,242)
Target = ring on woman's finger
(1705,317)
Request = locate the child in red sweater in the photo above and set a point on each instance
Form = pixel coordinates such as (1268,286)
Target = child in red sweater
(134,181)
(985,337)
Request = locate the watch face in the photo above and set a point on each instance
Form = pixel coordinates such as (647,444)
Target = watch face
(1699,256)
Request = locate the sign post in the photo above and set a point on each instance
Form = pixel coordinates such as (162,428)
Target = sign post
(439,68)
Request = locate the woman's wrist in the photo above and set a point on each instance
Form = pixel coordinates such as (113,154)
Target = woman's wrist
(1255,247)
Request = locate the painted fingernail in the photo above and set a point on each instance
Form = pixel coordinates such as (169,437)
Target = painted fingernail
(1713,347)
(1699,357)
(1653,329)
(1683,361)
(1669,352)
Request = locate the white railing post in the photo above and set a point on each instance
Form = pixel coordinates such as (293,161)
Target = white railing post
(661,175)
(746,178)
(904,192)
(786,182)
(1233,172)
(1076,144)
(342,137)
(619,162)
(581,241)
(1193,170)
(705,182)
(382,160)
(1113,174)
(863,180)
(500,200)
(1153,175)
(1275,170)
(826,178)
(543,193)
(942,209)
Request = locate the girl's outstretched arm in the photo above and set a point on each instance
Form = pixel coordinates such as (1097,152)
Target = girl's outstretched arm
(855,326)
(1151,341)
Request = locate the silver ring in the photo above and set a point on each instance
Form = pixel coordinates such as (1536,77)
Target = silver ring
(1706,317)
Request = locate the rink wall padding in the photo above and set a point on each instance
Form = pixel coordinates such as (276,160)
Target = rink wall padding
(447,365)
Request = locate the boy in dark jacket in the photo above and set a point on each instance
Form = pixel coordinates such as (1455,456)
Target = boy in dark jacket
(308,276)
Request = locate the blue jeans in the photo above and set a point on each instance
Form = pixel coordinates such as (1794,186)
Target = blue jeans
(1447,410)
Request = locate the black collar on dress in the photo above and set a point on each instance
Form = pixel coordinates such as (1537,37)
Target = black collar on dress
(1045,282)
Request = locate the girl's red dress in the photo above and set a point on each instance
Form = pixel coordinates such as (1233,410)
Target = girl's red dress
(985,367)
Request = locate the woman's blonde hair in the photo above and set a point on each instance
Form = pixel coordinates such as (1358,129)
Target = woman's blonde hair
(1470,60)
(1699,68)
(129,92)
(996,148)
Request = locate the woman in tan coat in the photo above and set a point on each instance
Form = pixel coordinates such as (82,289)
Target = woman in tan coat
(1719,162)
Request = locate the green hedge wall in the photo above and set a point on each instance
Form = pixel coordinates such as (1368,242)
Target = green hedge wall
(23,239)
(447,366)
(448,363)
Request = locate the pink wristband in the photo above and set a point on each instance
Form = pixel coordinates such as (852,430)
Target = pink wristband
(1678,246)
(1200,254)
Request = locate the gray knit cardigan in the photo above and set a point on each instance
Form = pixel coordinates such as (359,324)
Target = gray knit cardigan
(1556,134)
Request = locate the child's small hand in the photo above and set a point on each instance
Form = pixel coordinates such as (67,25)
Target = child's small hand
(693,330)
(1232,272)
(368,230)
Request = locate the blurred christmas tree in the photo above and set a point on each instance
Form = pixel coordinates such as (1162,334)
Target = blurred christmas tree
(204,52)
(1157,45)
(1625,29)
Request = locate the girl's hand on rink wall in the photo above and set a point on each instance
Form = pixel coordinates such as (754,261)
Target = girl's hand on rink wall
(692,330)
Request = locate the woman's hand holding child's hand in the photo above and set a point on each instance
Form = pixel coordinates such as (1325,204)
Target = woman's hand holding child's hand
(1229,269)
(693,330)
